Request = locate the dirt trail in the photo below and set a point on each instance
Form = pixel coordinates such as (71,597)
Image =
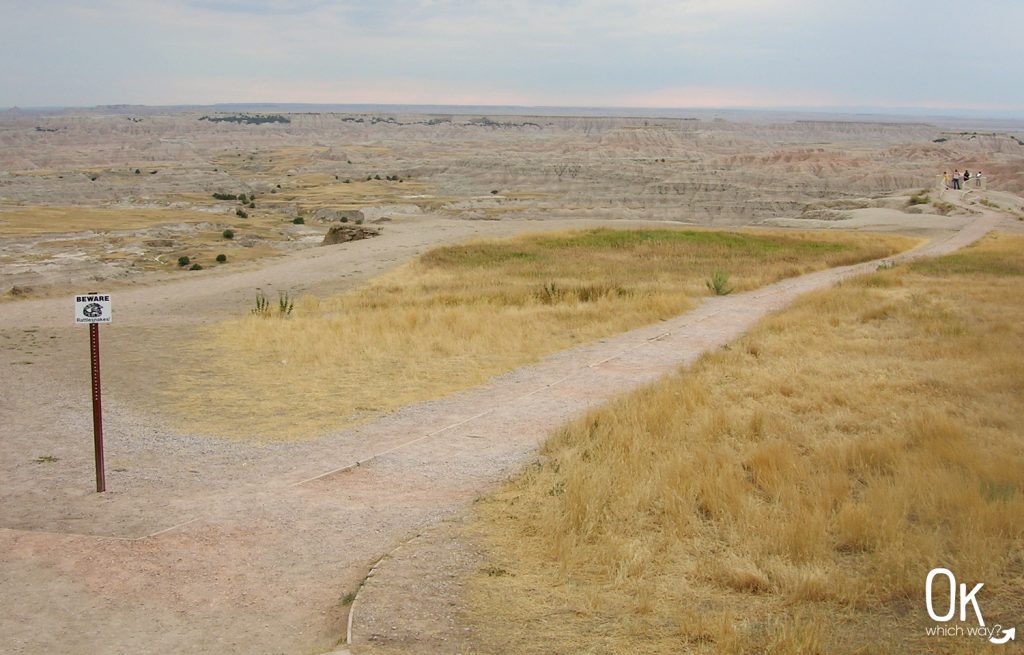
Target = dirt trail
(207,546)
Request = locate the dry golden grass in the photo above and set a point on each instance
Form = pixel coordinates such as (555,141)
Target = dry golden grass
(39,220)
(460,315)
(787,494)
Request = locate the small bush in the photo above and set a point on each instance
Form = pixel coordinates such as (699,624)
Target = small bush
(222,258)
(228,234)
(377,176)
(344,219)
(138,172)
(920,198)
(184,261)
(242,198)
(348,181)
(252,205)
(195,267)
(225,196)
(298,220)
(944,208)
(718,283)
(241,213)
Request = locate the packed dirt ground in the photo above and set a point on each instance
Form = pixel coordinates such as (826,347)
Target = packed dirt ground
(212,545)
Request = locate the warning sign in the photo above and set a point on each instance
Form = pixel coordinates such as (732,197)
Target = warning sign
(93,308)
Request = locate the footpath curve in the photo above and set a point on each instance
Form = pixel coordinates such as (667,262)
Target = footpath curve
(407,604)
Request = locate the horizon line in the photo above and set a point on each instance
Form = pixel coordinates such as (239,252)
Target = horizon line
(868,110)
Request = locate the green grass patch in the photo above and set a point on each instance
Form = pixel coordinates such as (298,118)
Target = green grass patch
(997,263)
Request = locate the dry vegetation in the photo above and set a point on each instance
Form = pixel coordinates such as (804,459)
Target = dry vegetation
(460,315)
(790,493)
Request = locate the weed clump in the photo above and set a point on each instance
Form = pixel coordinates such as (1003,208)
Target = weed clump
(228,234)
(718,283)
(285,305)
(184,261)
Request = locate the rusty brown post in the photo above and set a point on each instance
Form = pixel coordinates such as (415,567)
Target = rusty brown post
(97,406)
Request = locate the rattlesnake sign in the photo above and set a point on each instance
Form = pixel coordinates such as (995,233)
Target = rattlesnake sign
(93,308)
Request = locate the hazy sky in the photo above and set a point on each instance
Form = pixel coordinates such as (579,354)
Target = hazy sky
(643,53)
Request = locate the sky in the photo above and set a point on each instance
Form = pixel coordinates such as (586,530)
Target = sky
(896,54)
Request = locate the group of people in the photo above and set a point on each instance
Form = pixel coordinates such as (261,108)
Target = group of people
(961,180)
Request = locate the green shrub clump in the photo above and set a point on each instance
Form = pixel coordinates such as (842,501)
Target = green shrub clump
(222,258)
(718,283)
(196,267)
(298,220)
(241,213)
(184,261)
(229,234)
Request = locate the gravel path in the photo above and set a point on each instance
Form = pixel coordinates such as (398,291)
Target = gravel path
(411,600)
(211,546)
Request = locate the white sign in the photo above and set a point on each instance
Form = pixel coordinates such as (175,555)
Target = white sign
(93,308)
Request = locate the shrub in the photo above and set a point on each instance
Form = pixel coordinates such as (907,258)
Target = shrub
(240,213)
(228,234)
(138,172)
(298,220)
(718,283)
(222,258)
(242,198)
(377,176)
(344,219)
(252,205)
(348,181)
(183,261)
(225,196)
(195,267)
(920,198)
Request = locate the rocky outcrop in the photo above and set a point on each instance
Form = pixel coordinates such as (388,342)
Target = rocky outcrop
(346,232)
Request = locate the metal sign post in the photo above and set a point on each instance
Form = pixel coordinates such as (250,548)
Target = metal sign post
(97,406)
(95,308)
